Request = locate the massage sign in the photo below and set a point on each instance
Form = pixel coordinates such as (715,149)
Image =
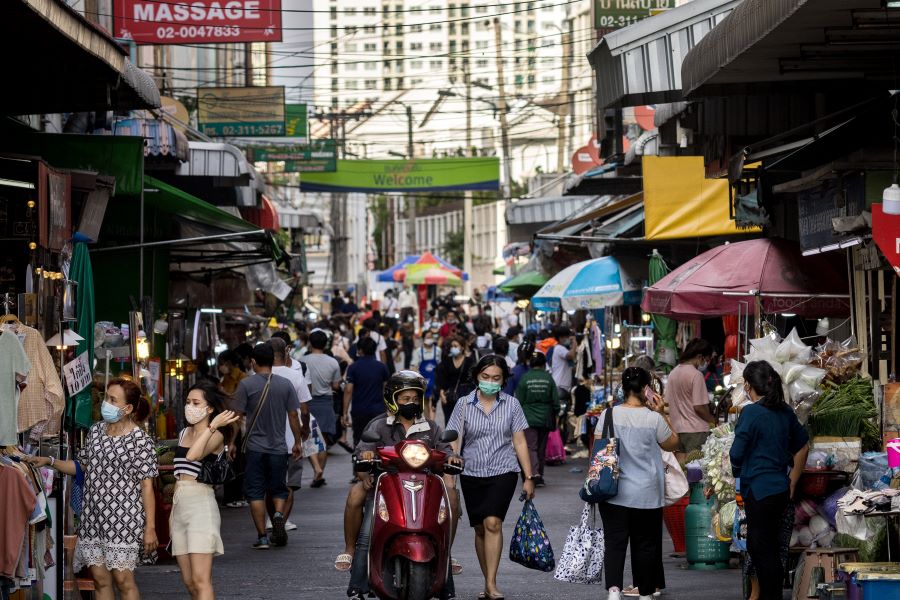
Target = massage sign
(198,22)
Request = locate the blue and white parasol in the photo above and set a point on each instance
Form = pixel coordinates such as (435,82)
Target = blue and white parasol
(592,284)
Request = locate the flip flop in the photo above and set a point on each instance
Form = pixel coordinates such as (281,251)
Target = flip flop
(346,446)
(456,566)
(343,559)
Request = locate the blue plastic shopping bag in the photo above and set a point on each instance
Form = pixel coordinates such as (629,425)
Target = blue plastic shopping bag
(530,546)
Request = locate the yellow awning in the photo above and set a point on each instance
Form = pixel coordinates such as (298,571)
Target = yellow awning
(679,202)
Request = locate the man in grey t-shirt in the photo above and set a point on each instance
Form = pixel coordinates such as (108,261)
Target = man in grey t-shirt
(267,452)
(325,379)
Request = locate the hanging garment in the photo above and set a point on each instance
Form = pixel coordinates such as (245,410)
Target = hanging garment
(41,402)
(19,503)
(597,348)
(14,368)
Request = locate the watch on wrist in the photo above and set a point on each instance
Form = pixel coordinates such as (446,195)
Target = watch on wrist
(531,478)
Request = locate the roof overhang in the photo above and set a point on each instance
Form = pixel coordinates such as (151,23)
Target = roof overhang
(224,166)
(72,66)
(786,45)
(641,63)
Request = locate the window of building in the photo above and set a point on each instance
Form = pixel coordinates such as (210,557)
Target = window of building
(530,27)
(415,64)
(464,10)
(369,29)
(415,46)
(435,46)
(434,27)
(350,84)
(369,11)
(416,82)
(481,64)
(452,10)
(371,66)
(548,7)
(436,64)
(333,31)
(548,80)
(334,85)
(371,84)
(481,45)
(481,9)
(334,101)
(334,13)
(350,11)
(416,28)
(350,66)
(451,28)
(350,47)
(370,47)
(334,67)
(464,28)
(435,10)
(387,83)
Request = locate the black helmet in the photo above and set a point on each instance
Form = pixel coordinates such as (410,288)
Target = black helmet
(399,382)
(524,351)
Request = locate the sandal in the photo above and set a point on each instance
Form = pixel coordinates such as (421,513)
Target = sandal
(631,592)
(345,446)
(317,483)
(456,566)
(343,559)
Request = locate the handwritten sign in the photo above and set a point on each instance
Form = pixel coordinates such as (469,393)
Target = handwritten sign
(78,374)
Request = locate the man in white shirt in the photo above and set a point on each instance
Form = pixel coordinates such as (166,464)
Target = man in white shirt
(295,467)
(390,305)
(381,346)
(407,301)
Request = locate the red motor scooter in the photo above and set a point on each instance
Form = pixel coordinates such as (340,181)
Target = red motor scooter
(409,546)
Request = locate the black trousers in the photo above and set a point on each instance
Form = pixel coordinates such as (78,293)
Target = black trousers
(764,524)
(642,528)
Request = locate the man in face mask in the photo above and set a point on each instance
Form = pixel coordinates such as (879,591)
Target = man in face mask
(404,400)
(688,398)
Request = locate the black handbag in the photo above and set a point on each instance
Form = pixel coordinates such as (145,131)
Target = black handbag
(216,470)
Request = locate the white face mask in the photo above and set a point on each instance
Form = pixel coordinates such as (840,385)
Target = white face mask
(194,414)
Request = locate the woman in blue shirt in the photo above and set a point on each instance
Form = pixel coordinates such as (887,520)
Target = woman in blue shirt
(768,443)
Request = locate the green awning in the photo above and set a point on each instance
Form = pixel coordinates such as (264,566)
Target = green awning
(171,200)
(524,283)
(121,157)
(499,271)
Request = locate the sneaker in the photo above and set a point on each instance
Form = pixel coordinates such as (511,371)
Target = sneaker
(290,525)
(539,481)
(261,544)
(614,595)
(279,535)
(268,524)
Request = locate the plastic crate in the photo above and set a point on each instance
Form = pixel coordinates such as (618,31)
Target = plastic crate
(871,581)
(814,484)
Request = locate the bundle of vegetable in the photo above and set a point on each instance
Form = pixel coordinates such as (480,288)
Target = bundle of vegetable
(847,410)
(717,464)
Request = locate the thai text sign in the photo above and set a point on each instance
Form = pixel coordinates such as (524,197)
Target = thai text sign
(197,21)
(418,175)
(612,14)
(295,120)
(245,111)
(316,157)
(78,373)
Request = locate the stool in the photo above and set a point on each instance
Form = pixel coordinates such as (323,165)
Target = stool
(827,558)
(85,586)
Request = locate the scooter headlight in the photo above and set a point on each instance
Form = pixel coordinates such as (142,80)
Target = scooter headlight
(382,509)
(442,511)
(415,455)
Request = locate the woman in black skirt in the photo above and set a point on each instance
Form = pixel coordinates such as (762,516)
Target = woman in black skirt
(491,428)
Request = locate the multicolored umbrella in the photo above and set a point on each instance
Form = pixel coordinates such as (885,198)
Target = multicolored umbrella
(431,274)
(397,272)
(718,281)
(592,284)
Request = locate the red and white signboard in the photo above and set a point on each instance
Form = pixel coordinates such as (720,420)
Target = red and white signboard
(886,233)
(197,21)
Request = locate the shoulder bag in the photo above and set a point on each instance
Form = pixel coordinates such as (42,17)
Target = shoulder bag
(602,481)
(676,481)
(582,556)
(216,469)
(262,400)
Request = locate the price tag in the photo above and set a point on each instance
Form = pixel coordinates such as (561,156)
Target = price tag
(78,374)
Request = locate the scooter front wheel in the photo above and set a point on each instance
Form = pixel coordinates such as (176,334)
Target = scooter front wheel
(418,579)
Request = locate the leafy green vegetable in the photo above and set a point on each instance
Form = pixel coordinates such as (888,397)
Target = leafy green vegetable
(847,410)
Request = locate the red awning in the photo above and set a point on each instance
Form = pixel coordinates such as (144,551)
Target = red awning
(264,217)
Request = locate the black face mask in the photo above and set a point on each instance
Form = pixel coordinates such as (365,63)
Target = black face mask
(410,412)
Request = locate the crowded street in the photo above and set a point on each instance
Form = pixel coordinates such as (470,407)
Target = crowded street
(302,570)
(450,300)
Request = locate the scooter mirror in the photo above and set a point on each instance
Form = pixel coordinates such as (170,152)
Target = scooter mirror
(370,437)
(449,436)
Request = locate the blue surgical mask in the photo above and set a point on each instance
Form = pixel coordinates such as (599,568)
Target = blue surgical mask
(110,412)
(454,351)
(489,388)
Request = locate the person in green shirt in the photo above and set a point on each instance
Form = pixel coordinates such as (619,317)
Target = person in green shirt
(537,394)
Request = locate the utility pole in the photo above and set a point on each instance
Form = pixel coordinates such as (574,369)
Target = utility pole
(504,126)
(563,108)
(467,197)
(248,64)
(468,80)
(410,200)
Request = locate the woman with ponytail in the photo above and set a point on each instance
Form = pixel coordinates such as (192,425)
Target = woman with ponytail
(769,443)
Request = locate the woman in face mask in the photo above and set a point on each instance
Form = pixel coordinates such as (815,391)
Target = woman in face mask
(452,378)
(117,465)
(491,426)
(194,524)
(425,360)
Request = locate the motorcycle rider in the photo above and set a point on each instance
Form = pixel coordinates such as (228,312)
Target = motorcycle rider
(404,398)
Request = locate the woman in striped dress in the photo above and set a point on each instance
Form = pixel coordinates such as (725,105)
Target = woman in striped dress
(194,522)
(491,428)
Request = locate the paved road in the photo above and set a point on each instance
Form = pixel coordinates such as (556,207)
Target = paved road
(304,571)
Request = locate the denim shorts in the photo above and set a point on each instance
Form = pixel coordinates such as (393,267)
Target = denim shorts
(265,473)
